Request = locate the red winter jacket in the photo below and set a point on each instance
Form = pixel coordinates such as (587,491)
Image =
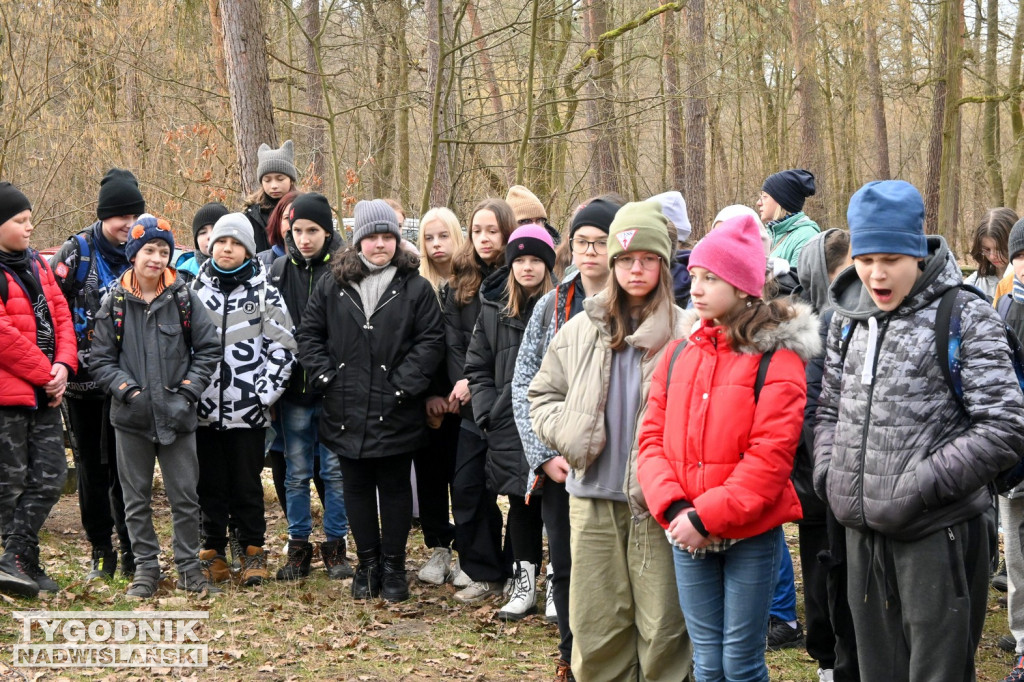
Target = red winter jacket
(23,367)
(709,443)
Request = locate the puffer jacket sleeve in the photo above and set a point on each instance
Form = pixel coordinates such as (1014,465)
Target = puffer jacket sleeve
(657,477)
(479,369)
(547,398)
(311,337)
(206,351)
(21,357)
(828,407)
(996,408)
(415,371)
(453,337)
(104,359)
(66,344)
(757,481)
(531,351)
(278,333)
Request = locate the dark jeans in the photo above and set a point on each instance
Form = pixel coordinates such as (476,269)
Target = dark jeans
(230,463)
(100,498)
(555,511)
(435,469)
(366,481)
(477,516)
(525,529)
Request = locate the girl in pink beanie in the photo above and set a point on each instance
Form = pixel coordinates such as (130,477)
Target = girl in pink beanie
(714,468)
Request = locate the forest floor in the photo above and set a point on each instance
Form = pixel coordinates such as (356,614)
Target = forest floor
(314,630)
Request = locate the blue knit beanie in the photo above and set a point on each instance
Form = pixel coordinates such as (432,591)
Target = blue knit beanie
(887,216)
(146,229)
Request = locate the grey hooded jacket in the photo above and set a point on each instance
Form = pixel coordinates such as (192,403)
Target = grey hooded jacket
(894,452)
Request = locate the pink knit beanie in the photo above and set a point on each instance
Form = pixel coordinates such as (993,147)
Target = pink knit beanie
(733,251)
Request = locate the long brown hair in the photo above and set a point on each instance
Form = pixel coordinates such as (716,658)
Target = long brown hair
(620,322)
(277,215)
(519,297)
(996,225)
(744,322)
(467,268)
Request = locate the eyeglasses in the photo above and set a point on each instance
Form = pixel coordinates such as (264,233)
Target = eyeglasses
(988,253)
(580,245)
(531,221)
(648,262)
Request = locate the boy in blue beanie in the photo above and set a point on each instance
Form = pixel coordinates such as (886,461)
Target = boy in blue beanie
(904,463)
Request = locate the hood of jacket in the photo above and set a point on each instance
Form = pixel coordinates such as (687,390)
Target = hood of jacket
(652,334)
(812,271)
(494,288)
(800,333)
(296,256)
(851,298)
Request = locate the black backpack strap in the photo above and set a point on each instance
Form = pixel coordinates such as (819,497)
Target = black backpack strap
(1003,305)
(547,314)
(183,302)
(943,318)
(4,291)
(762,373)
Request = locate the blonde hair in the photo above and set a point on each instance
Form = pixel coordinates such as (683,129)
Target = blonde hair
(447,218)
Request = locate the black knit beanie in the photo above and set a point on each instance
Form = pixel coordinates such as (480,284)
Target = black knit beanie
(12,202)
(598,213)
(790,188)
(119,195)
(315,207)
(208,214)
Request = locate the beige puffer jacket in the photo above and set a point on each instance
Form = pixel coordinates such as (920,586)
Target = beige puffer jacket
(568,395)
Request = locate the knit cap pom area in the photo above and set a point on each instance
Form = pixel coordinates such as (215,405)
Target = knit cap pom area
(144,230)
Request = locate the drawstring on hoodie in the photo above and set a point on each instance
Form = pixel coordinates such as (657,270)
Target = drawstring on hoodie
(647,545)
(867,373)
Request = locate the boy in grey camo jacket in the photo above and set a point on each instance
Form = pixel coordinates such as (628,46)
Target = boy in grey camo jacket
(902,465)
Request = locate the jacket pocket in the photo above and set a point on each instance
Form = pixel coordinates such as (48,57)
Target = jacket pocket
(173,352)
(180,411)
(134,414)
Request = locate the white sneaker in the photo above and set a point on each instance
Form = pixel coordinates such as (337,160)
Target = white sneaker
(478,591)
(825,675)
(550,612)
(460,578)
(523,600)
(438,568)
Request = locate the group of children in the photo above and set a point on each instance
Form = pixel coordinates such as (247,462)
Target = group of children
(661,448)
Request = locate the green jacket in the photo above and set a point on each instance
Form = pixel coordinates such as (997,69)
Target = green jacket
(790,235)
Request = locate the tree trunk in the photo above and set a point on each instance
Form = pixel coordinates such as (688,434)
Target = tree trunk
(696,117)
(315,140)
(1016,116)
(949,175)
(673,112)
(604,145)
(812,153)
(990,134)
(217,37)
(252,112)
(438,187)
(882,171)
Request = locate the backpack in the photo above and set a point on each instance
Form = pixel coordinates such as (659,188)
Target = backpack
(948,321)
(762,370)
(182,301)
(4,291)
(84,263)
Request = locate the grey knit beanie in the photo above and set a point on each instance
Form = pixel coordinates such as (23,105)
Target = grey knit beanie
(236,226)
(372,217)
(280,160)
(1016,244)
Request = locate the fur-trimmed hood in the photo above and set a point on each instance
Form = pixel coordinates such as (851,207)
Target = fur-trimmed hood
(799,334)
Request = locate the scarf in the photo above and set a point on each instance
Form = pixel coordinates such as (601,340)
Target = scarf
(1018,291)
(20,265)
(229,280)
(131,283)
(372,287)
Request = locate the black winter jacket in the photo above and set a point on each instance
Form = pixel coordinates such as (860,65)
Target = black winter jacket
(459,321)
(374,374)
(490,366)
(258,217)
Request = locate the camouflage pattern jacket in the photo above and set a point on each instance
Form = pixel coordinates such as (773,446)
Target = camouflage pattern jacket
(894,451)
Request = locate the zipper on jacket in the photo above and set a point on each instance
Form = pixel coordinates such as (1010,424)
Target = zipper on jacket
(223,363)
(867,413)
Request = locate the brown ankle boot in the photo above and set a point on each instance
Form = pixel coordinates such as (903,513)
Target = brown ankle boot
(215,566)
(254,566)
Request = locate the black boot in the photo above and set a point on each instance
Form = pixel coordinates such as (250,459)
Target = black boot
(300,554)
(104,563)
(127,563)
(28,560)
(335,561)
(13,579)
(394,586)
(366,582)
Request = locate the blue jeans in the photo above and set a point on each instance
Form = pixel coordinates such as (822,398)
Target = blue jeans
(725,599)
(300,425)
(784,595)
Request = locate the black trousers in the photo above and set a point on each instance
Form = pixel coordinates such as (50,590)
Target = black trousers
(230,489)
(821,640)
(555,512)
(525,529)
(846,668)
(100,500)
(477,516)
(435,469)
(386,479)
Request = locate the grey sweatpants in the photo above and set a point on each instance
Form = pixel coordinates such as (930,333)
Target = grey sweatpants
(919,606)
(136,458)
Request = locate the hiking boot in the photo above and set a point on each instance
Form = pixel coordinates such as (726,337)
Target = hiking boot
(366,583)
(127,563)
(104,563)
(782,636)
(478,591)
(522,600)
(999,578)
(254,568)
(335,560)
(29,563)
(563,672)
(13,579)
(197,582)
(550,612)
(144,583)
(237,552)
(214,565)
(826,675)
(1007,643)
(438,568)
(394,585)
(1017,674)
(300,554)
(460,578)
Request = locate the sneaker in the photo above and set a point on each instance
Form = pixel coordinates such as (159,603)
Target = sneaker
(460,578)
(214,565)
(333,552)
(479,590)
(237,551)
(197,582)
(825,675)
(300,554)
(127,563)
(1017,674)
(438,568)
(104,563)
(13,579)
(563,672)
(522,600)
(782,636)
(1007,643)
(550,612)
(144,583)
(254,570)
(29,563)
